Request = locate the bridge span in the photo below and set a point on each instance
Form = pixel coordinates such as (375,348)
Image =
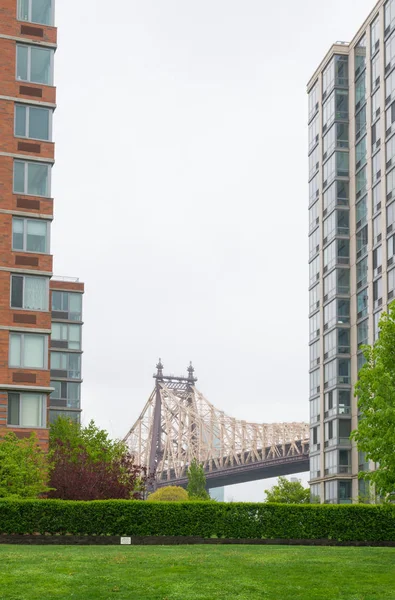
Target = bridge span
(178,425)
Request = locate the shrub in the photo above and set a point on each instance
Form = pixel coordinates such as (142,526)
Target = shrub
(171,493)
(201,519)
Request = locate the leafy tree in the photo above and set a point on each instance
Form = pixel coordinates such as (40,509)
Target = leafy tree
(171,493)
(88,465)
(288,492)
(24,469)
(197,482)
(375,390)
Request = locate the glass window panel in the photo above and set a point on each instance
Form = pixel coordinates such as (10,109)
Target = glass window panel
(13,409)
(31,410)
(15,349)
(74,337)
(19,177)
(17,234)
(40,70)
(58,361)
(36,293)
(36,236)
(75,306)
(23,10)
(21,63)
(16,291)
(39,123)
(42,12)
(37,184)
(34,347)
(20,121)
(57,393)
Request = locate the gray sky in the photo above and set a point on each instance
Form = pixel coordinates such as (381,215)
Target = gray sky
(181,196)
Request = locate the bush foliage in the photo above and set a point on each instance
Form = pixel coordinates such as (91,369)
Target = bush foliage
(171,493)
(202,519)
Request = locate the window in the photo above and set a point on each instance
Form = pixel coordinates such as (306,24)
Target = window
(314,161)
(345,495)
(313,100)
(361,212)
(314,269)
(28,350)
(336,312)
(362,272)
(391,283)
(360,123)
(66,336)
(389,87)
(314,242)
(375,105)
(36,11)
(361,182)
(390,216)
(389,15)
(389,118)
(390,151)
(330,492)
(315,382)
(389,52)
(361,360)
(375,72)
(66,394)
(363,333)
(360,56)
(66,414)
(362,304)
(30,235)
(362,241)
(314,188)
(360,91)
(26,410)
(33,122)
(376,320)
(377,260)
(314,410)
(29,293)
(378,292)
(377,229)
(391,248)
(313,216)
(337,402)
(360,153)
(66,364)
(313,132)
(376,197)
(315,439)
(314,354)
(32,178)
(314,295)
(34,64)
(314,323)
(375,35)
(376,167)
(68,303)
(315,466)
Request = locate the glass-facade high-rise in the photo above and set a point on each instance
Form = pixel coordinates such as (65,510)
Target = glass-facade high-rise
(351,149)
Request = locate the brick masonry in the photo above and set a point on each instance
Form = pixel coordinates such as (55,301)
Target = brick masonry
(20,262)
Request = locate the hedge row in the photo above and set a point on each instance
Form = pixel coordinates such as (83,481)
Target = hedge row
(201,519)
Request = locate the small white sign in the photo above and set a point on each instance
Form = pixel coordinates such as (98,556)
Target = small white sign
(126,540)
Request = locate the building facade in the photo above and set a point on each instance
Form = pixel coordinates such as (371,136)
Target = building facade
(351,121)
(66,348)
(27,103)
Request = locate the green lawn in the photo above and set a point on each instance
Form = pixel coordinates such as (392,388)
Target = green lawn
(196,573)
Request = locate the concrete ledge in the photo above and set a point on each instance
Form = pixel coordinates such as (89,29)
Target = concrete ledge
(72,540)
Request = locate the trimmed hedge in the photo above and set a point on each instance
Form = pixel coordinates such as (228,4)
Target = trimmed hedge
(202,519)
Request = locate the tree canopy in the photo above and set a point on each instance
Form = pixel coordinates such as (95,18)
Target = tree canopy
(197,482)
(23,467)
(171,493)
(288,492)
(375,390)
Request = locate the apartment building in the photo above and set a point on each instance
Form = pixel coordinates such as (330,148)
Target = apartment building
(351,119)
(27,103)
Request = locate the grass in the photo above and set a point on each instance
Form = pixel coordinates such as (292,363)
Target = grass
(196,573)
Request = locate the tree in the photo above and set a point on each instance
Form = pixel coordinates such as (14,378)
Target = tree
(171,493)
(197,482)
(24,469)
(375,390)
(88,465)
(288,492)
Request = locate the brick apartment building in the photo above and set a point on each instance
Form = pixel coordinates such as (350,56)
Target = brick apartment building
(27,103)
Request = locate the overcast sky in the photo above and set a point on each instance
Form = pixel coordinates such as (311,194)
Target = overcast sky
(181,196)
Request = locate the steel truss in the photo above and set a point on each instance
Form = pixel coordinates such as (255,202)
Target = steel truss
(178,424)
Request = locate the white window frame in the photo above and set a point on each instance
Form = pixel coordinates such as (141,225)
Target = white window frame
(27,107)
(29,64)
(22,366)
(52,24)
(25,187)
(43,415)
(25,221)
(23,292)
